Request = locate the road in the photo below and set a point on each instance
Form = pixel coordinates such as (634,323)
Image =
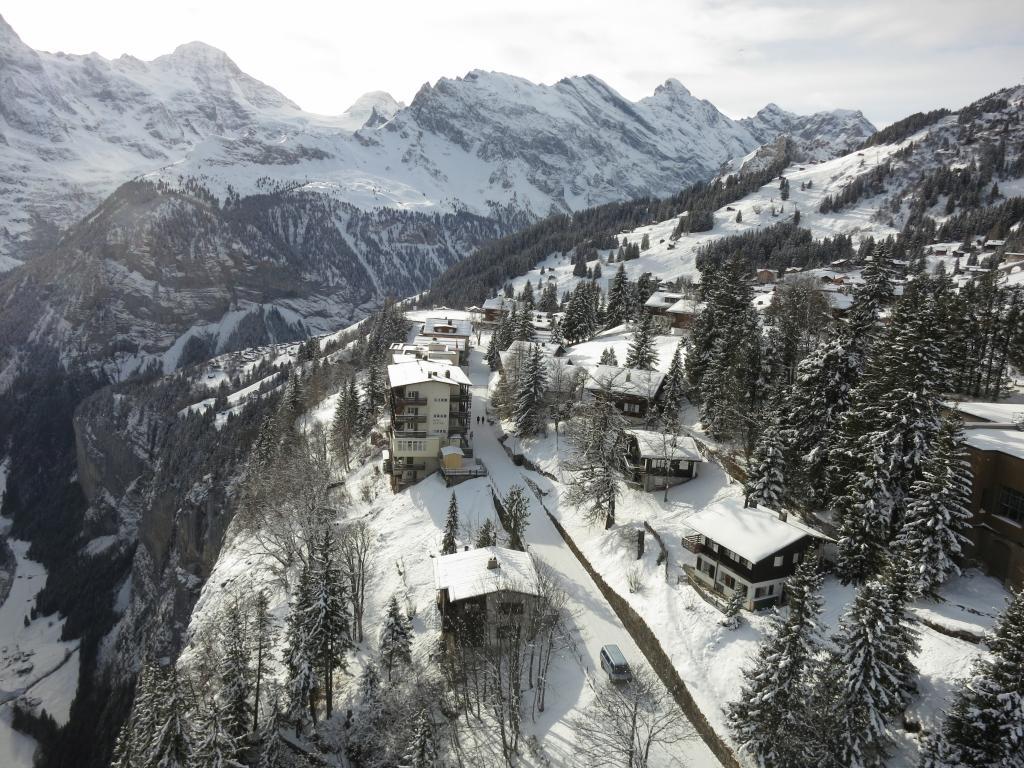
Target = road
(597,623)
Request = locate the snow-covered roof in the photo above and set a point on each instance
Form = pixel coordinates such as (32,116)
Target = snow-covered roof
(451,450)
(1008,440)
(418,371)
(663,299)
(624,381)
(459,326)
(685,307)
(1002,413)
(448,342)
(657,445)
(546,347)
(500,302)
(751,532)
(839,300)
(465,574)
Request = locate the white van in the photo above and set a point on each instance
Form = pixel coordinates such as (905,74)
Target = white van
(615,664)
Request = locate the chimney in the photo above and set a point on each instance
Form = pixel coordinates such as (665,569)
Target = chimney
(783,516)
(447,374)
(492,563)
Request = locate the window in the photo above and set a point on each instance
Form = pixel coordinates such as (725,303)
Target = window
(511,608)
(796,557)
(764,591)
(631,407)
(778,560)
(1011,505)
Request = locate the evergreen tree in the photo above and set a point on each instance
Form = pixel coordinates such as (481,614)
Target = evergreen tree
(345,426)
(641,349)
(772,720)
(271,743)
(985,725)
(172,743)
(608,357)
(620,300)
(422,753)
(596,434)
(739,216)
(871,686)
(235,714)
(865,516)
(531,384)
(674,391)
(766,480)
(451,528)
(486,536)
(493,355)
(216,747)
(327,619)
(556,331)
(938,514)
(395,642)
(516,516)
(264,632)
(298,658)
(645,242)
(526,296)
(524,330)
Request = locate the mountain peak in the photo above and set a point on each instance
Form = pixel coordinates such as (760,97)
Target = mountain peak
(201,54)
(673,86)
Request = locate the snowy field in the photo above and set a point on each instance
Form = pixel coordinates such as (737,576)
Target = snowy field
(35,665)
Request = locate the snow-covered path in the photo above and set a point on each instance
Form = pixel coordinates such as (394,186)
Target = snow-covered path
(597,622)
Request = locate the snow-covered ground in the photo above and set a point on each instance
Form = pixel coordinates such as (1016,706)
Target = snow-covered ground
(712,659)
(35,665)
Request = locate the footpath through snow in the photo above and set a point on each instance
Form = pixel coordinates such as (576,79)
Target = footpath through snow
(598,623)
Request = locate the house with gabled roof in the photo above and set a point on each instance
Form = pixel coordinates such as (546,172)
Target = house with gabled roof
(748,550)
(485,595)
(633,391)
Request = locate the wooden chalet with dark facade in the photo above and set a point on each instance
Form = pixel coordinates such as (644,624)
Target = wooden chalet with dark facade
(633,391)
(750,550)
(654,460)
(485,594)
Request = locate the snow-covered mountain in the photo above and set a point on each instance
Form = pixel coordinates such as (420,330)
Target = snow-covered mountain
(73,128)
(820,136)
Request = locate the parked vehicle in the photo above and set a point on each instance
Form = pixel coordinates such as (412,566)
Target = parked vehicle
(615,664)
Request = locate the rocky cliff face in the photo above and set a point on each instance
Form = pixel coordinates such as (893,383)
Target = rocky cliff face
(820,136)
(160,277)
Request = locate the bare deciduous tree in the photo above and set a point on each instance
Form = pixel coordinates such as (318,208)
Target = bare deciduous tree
(355,548)
(626,720)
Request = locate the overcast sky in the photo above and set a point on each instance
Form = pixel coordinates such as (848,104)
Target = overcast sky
(886,57)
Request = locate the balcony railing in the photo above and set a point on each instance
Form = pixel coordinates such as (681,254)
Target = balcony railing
(416,466)
(414,418)
(398,432)
(401,400)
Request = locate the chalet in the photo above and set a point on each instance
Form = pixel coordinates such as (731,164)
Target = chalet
(485,594)
(446,328)
(750,550)
(430,405)
(841,265)
(655,460)
(633,391)
(995,447)
(683,313)
(1013,257)
(765,275)
(660,301)
(497,307)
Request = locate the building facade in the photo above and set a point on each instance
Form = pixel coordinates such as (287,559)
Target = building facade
(748,550)
(430,409)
